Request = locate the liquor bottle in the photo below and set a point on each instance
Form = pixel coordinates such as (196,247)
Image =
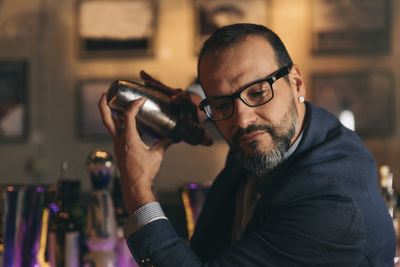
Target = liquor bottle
(123,254)
(120,210)
(101,230)
(387,190)
(64,235)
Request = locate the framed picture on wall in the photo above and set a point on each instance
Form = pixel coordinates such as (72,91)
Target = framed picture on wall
(367,96)
(89,124)
(116,27)
(213,14)
(13,101)
(356,27)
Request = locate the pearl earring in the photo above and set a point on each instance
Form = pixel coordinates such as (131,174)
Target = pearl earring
(301,99)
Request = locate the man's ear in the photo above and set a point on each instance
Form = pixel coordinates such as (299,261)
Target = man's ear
(297,82)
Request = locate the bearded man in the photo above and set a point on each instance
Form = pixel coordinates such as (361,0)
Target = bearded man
(298,188)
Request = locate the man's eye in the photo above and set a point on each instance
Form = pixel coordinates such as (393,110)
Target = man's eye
(221,106)
(258,90)
(259,93)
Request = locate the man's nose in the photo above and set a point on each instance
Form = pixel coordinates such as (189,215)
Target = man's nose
(243,115)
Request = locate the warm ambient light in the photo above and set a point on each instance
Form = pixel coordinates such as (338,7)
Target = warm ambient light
(188,212)
(43,239)
(101,154)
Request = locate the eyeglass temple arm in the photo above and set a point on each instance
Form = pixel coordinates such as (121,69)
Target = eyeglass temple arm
(284,71)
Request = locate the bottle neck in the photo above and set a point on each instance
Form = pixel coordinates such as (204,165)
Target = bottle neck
(67,195)
(64,204)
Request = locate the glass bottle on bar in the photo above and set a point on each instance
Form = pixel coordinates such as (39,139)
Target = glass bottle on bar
(64,235)
(101,229)
(123,254)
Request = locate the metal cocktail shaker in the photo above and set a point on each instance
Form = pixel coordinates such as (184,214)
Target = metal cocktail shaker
(157,117)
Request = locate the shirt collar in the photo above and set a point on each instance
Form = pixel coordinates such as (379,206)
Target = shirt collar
(294,146)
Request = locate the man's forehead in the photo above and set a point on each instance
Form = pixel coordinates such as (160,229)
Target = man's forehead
(249,41)
(226,71)
(250,50)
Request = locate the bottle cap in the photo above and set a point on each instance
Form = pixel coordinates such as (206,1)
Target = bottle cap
(100,165)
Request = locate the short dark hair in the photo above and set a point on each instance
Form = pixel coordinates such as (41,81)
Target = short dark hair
(230,35)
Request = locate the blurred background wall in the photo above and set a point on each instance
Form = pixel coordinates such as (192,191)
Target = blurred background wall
(45,34)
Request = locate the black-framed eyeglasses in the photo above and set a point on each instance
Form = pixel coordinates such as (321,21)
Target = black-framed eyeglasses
(254,94)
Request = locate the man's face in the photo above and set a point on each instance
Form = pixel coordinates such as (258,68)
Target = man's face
(259,136)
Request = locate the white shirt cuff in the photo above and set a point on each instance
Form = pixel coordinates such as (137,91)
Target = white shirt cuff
(147,213)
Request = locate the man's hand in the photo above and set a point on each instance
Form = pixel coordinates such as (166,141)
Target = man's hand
(138,163)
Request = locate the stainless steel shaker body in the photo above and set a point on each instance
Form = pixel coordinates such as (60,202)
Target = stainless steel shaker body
(157,117)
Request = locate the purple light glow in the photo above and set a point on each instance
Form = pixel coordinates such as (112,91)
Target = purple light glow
(193,186)
(53,207)
(39,189)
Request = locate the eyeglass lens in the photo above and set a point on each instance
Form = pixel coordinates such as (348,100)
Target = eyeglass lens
(257,94)
(254,95)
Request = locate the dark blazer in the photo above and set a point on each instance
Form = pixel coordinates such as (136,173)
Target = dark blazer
(320,207)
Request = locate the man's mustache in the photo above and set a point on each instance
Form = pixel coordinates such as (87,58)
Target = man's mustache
(252,128)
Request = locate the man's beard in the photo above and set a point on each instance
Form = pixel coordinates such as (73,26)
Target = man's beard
(262,161)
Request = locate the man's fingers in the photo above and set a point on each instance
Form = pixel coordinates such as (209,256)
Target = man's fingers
(130,114)
(152,82)
(148,78)
(162,145)
(207,141)
(181,98)
(106,115)
(196,99)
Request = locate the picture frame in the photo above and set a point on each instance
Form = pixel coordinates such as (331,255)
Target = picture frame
(213,14)
(351,27)
(116,28)
(89,125)
(369,95)
(13,101)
